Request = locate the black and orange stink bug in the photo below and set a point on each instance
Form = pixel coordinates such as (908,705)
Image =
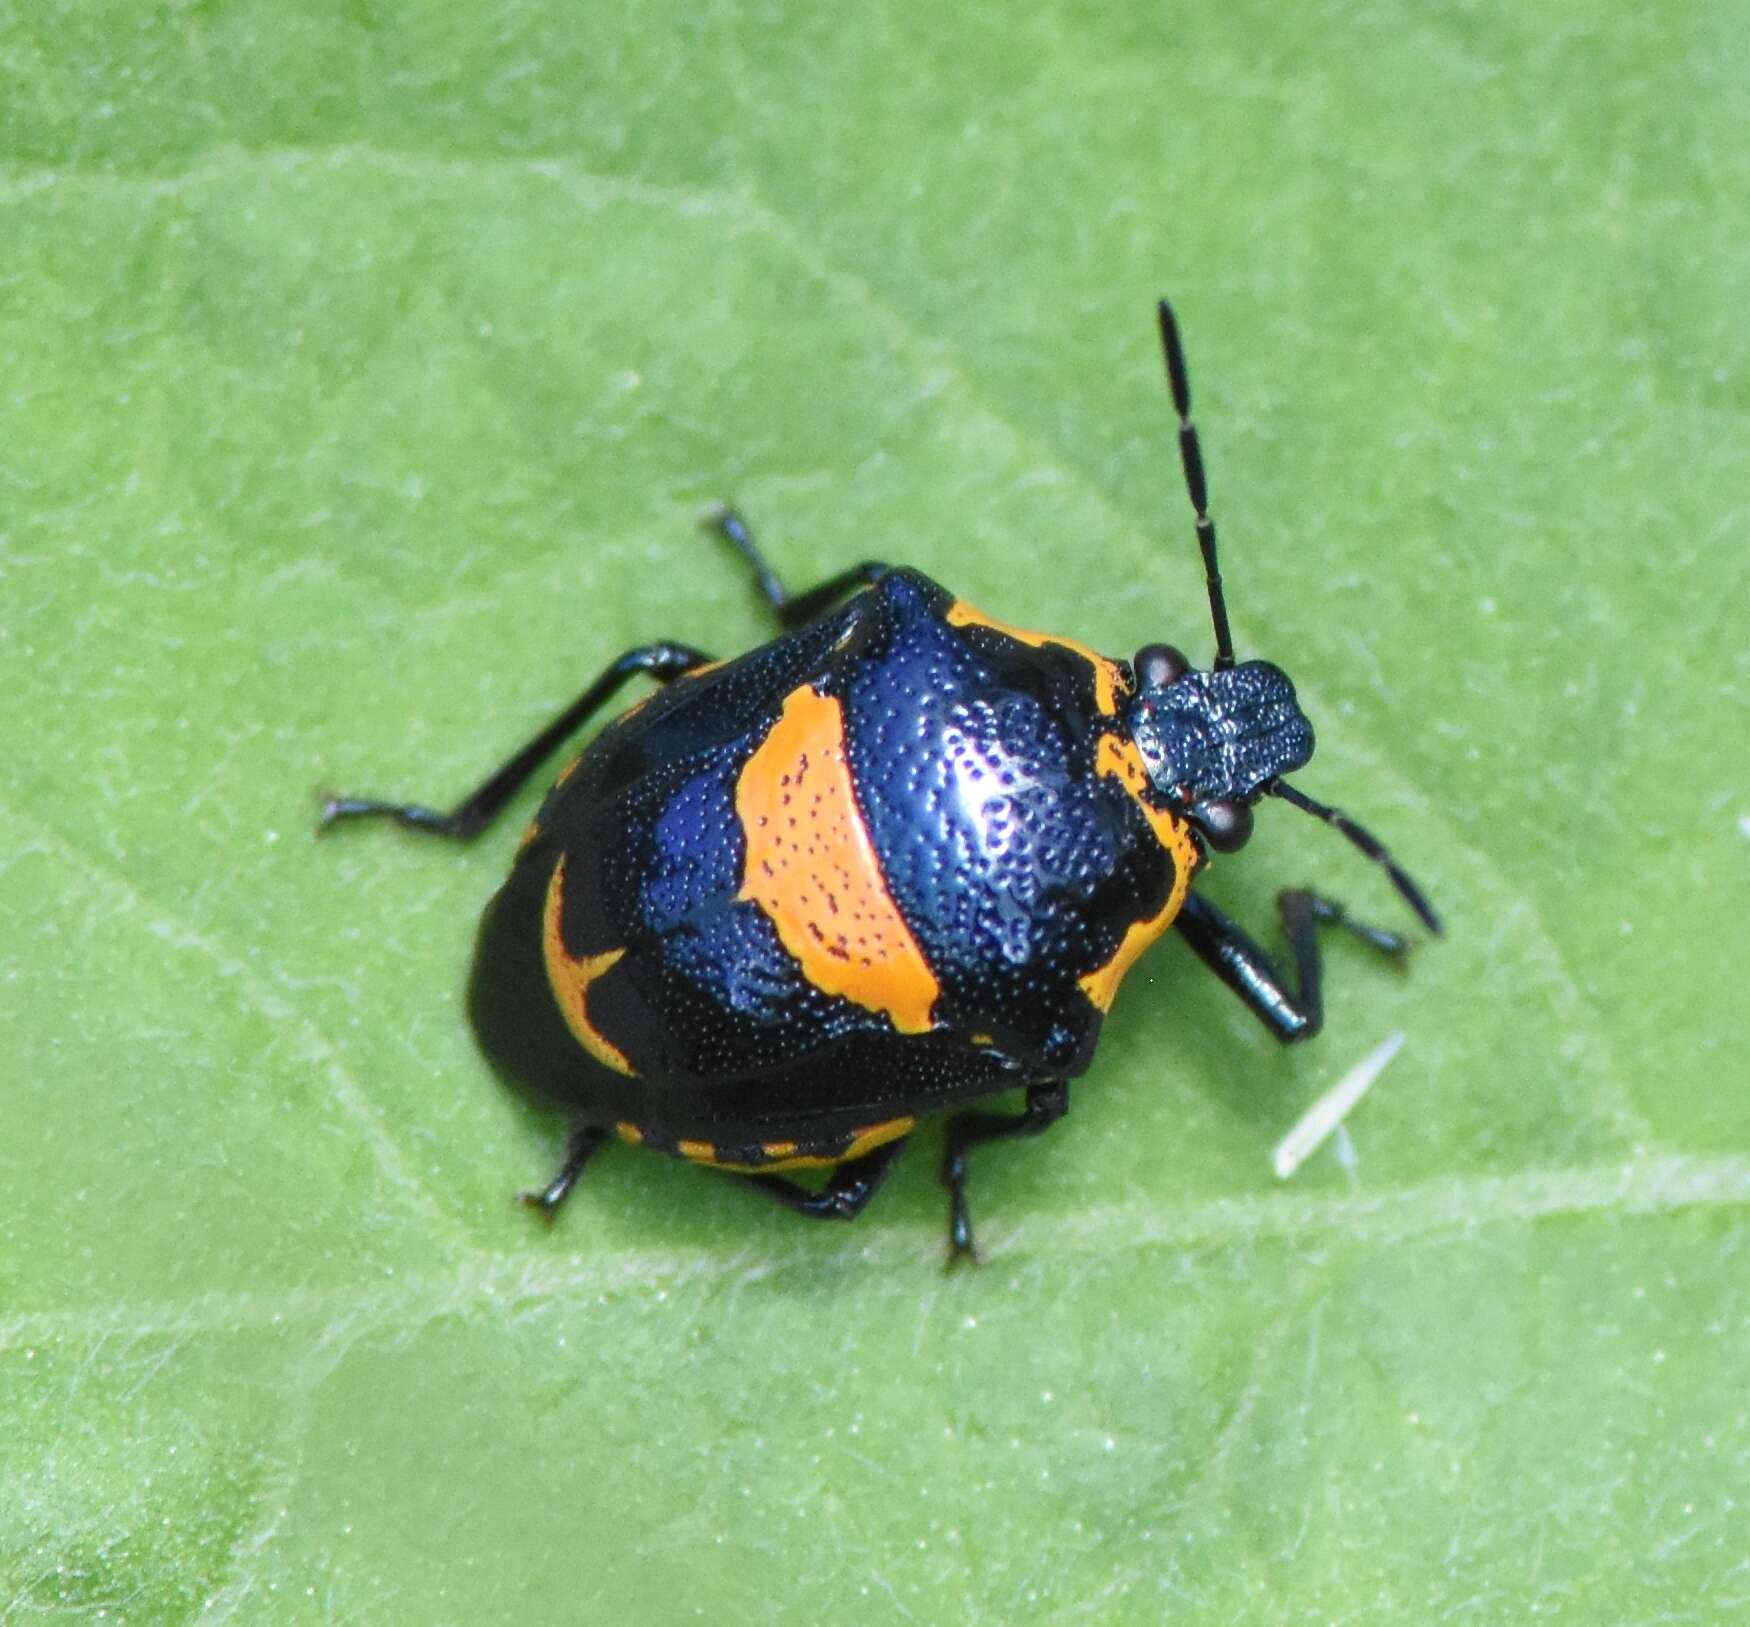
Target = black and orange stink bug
(896,860)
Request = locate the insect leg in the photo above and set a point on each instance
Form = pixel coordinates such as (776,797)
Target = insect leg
(792,609)
(477,810)
(1046,1104)
(847,1189)
(1290,1012)
(584,1142)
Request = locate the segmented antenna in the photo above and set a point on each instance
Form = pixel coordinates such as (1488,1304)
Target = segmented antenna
(1191,455)
(1367,842)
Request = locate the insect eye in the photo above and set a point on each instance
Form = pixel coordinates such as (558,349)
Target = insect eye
(1158,665)
(1226,825)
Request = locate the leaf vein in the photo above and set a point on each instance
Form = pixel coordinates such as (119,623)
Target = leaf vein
(1428,1209)
(318,1048)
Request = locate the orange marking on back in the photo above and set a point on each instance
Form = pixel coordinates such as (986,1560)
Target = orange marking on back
(571,975)
(629,1133)
(1121,760)
(813,869)
(1108,676)
(779,1156)
(872,1136)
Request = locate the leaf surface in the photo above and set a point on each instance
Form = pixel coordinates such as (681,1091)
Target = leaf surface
(363,376)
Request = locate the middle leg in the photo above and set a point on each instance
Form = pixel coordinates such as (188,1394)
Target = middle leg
(792,609)
(1046,1104)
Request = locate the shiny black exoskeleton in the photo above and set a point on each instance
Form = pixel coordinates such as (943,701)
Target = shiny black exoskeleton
(898,859)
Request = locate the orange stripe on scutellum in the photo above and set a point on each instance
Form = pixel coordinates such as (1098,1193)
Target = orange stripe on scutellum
(570,976)
(1121,760)
(1108,678)
(777,1156)
(812,867)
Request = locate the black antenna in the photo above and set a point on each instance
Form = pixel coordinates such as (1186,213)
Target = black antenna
(1367,842)
(1191,454)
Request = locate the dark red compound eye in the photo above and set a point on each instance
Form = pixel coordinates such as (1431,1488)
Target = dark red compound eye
(1158,665)
(1226,826)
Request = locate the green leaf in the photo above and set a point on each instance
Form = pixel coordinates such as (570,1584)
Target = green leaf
(361,375)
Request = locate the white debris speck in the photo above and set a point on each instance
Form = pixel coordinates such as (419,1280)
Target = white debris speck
(1319,1120)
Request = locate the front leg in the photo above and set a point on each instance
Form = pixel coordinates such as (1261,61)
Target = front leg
(1290,1013)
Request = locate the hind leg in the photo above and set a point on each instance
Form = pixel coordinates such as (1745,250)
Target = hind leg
(585,1141)
(477,810)
(848,1189)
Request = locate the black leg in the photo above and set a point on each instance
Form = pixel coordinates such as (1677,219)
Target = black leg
(1046,1104)
(584,1142)
(481,806)
(1290,1013)
(792,609)
(847,1189)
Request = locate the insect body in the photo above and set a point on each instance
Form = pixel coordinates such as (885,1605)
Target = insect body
(896,860)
